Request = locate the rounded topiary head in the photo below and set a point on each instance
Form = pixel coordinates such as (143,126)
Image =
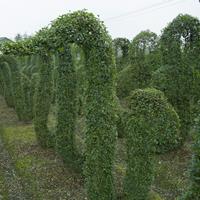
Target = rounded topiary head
(180,41)
(151,106)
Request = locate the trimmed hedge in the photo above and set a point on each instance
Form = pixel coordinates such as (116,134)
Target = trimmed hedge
(7,83)
(152,126)
(177,84)
(194,187)
(180,48)
(144,57)
(87,31)
(42,101)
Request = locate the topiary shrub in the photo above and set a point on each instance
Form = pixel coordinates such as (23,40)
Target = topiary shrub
(91,34)
(180,47)
(194,187)
(177,84)
(42,101)
(121,47)
(87,31)
(144,58)
(152,126)
(15,84)
(7,83)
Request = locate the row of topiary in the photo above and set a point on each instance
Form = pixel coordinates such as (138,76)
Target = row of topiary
(151,124)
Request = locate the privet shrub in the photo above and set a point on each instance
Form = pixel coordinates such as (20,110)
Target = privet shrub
(194,188)
(121,47)
(67,110)
(180,48)
(43,101)
(177,84)
(7,83)
(91,34)
(152,126)
(144,58)
(87,31)
(16,85)
(13,79)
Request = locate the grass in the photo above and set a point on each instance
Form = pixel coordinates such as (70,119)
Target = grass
(42,172)
(44,176)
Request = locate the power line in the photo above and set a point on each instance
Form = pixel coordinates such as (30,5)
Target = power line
(141,10)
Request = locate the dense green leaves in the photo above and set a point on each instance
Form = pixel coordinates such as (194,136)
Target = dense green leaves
(152,126)
(144,57)
(194,187)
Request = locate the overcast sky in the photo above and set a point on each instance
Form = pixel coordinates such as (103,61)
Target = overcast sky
(123,18)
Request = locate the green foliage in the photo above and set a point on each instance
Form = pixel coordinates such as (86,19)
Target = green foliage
(180,41)
(67,107)
(43,101)
(177,84)
(7,83)
(152,126)
(84,29)
(121,47)
(194,188)
(144,58)
(164,121)
(180,51)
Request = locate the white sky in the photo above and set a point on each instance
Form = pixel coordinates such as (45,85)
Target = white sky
(28,16)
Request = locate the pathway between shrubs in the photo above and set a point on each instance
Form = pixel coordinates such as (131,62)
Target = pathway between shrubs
(10,186)
(11,180)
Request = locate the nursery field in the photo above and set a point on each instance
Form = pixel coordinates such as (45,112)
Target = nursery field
(84,116)
(29,172)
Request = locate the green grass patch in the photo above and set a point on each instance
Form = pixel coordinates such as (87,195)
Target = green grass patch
(42,172)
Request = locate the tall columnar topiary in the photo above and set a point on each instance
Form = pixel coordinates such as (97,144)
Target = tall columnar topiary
(27,71)
(179,43)
(43,101)
(176,83)
(144,58)
(152,126)
(193,191)
(66,100)
(27,97)
(15,83)
(121,47)
(7,81)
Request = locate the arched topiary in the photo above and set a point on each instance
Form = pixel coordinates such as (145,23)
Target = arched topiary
(152,126)
(87,31)
(179,43)
(121,46)
(15,82)
(144,58)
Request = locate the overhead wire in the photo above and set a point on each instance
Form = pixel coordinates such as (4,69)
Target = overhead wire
(141,11)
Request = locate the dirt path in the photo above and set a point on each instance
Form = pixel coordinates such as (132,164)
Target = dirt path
(12,183)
